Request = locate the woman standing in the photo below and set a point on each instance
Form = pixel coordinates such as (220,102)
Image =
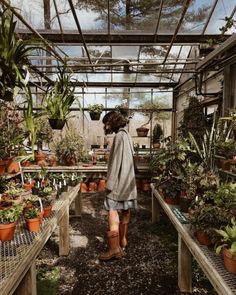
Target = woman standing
(121,191)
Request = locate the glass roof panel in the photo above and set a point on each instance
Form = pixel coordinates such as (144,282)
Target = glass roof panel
(196,16)
(223,9)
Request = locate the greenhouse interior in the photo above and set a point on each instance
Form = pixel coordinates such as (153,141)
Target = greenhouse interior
(117,147)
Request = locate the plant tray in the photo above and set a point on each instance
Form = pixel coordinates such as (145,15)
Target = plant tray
(182,219)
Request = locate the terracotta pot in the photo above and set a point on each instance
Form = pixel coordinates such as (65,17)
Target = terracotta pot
(27,186)
(52,162)
(229,261)
(84,187)
(101,185)
(203,238)
(69,160)
(157,145)
(7,231)
(47,211)
(145,185)
(39,157)
(142,131)
(13,167)
(2,167)
(33,225)
(92,186)
(25,163)
(225,164)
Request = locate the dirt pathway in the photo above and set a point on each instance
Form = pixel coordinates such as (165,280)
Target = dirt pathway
(149,265)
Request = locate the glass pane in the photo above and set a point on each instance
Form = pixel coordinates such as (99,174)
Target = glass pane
(223,9)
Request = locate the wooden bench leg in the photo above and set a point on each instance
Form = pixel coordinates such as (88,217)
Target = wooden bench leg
(27,285)
(64,234)
(155,210)
(184,267)
(78,203)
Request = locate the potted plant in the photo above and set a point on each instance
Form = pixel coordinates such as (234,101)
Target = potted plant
(148,109)
(70,148)
(227,244)
(33,220)
(58,99)
(95,111)
(157,133)
(205,218)
(8,218)
(14,60)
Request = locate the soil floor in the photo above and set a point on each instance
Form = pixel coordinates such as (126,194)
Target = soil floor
(148,266)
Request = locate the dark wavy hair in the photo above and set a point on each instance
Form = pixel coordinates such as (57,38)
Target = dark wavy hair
(116,120)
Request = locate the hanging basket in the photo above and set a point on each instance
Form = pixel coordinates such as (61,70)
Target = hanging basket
(95,116)
(57,124)
(142,131)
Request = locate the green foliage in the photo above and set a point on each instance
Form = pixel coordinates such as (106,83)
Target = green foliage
(11,132)
(207,218)
(157,132)
(13,57)
(228,238)
(225,196)
(71,144)
(226,148)
(194,121)
(60,96)
(9,215)
(95,108)
(32,213)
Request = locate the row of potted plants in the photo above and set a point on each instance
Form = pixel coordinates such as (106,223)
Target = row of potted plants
(186,170)
(34,207)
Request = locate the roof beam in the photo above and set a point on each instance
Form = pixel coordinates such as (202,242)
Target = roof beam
(119,84)
(121,38)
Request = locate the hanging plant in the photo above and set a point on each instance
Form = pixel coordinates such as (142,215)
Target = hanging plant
(95,111)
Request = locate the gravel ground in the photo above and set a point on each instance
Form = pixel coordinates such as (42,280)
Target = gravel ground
(149,265)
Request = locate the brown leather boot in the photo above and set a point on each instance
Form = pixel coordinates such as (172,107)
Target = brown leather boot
(114,250)
(123,233)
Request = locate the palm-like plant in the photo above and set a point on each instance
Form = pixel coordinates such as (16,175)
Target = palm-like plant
(59,97)
(13,57)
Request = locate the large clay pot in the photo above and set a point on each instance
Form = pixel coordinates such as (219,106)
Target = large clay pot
(13,167)
(229,261)
(7,231)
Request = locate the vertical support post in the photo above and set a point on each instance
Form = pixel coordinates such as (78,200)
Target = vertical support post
(64,234)
(78,203)
(155,209)
(184,267)
(27,285)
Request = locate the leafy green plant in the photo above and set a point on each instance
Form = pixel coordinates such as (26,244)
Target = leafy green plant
(95,108)
(226,149)
(32,213)
(14,60)
(225,196)
(228,238)
(60,96)
(207,218)
(70,145)
(9,215)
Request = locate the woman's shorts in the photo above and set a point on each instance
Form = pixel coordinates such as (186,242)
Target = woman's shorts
(110,204)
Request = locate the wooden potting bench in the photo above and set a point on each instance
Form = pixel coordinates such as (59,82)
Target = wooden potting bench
(188,247)
(17,260)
